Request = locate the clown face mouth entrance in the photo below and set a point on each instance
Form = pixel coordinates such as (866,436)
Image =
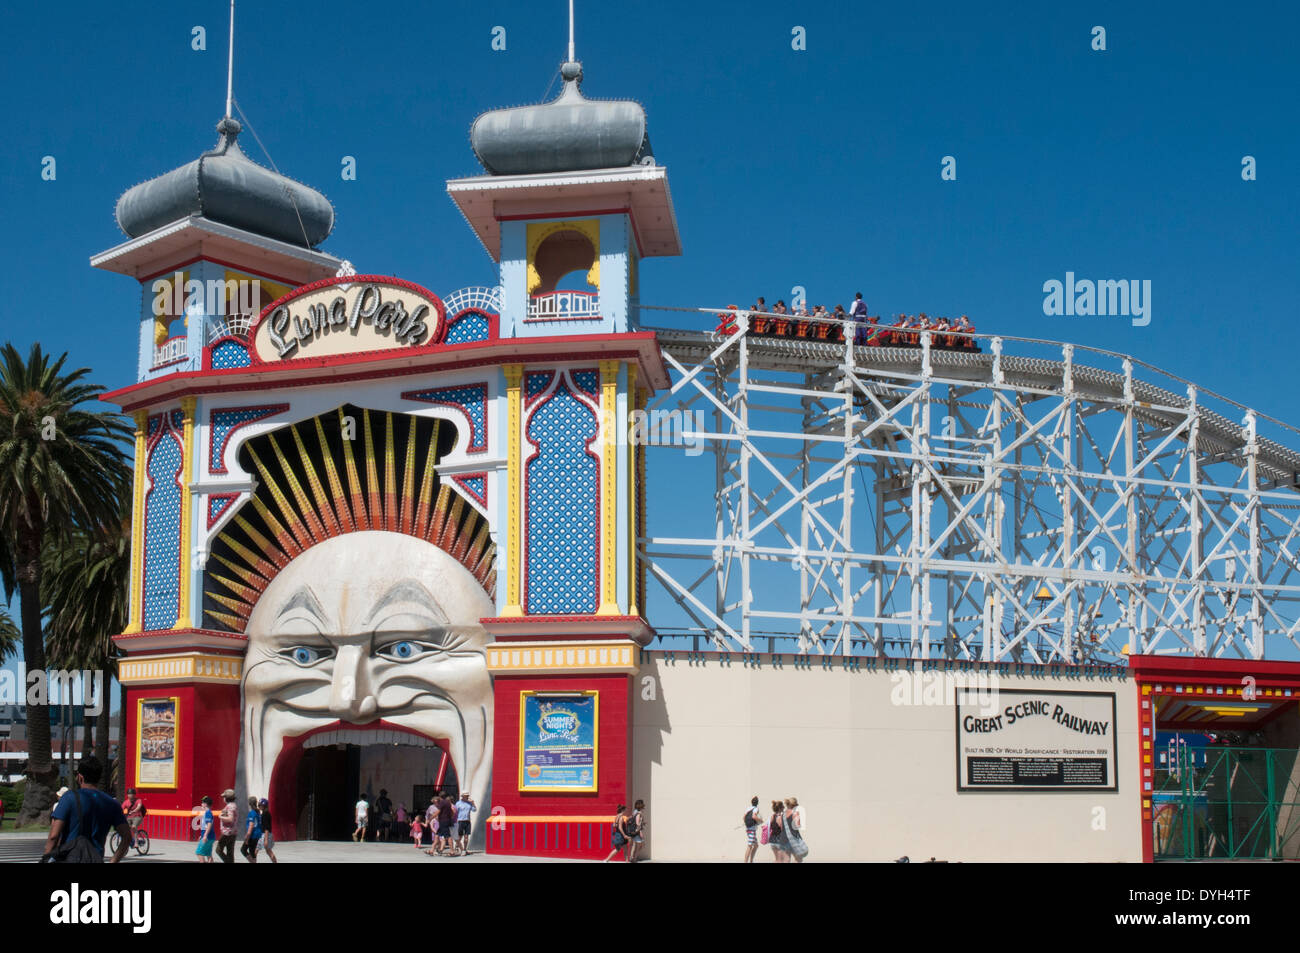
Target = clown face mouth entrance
(361,611)
(339,767)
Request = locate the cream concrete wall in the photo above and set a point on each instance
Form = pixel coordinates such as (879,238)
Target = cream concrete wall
(876,780)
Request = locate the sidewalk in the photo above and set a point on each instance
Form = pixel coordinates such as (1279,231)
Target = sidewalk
(26,848)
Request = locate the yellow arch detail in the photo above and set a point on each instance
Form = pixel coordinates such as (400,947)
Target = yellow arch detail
(538,232)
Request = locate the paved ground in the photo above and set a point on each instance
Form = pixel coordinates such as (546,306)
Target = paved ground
(26,848)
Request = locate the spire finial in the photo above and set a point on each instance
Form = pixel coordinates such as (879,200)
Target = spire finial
(571,56)
(230,61)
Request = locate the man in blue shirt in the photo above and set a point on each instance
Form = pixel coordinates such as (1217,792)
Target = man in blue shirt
(99,812)
(464,808)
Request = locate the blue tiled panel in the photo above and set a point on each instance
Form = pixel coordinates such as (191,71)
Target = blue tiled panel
(471,326)
(162,532)
(562,512)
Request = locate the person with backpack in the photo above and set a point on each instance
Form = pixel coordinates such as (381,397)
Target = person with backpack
(636,831)
(207,832)
(618,832)
(253,831)
(776,834)
(753,820)
(80,822)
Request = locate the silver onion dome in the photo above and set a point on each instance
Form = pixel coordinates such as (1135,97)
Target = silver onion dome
(226,186)
(567,134)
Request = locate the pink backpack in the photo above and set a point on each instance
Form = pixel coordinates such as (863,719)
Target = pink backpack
(765,834)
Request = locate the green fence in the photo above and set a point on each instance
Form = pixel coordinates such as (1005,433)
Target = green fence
(1226,803)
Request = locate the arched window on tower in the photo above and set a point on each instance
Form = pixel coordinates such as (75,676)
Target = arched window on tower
(564,271)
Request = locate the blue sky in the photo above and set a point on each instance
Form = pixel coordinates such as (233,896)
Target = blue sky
(818,168)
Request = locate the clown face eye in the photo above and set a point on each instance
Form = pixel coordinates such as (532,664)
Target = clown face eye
(306,654)
(405,650)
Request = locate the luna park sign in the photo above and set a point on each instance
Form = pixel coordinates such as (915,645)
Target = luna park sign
(339,317)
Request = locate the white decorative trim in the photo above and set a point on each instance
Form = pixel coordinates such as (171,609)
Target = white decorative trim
(202,225)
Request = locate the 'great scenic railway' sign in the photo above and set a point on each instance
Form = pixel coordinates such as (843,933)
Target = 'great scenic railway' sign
(1037,741)
(342,316)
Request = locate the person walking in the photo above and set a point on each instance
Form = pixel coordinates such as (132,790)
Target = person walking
(776,834)
(417,830)
(229,827)
(797,848)
(79,823)
(430,818)
(636,832)
(753,820)
(207,832)
(362,809)
(446,823)
(252,831)
(267,843)
(618,832)
(400,820)
(384,813)
(465,806)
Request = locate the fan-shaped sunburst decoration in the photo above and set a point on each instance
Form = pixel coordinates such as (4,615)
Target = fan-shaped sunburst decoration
(396,489)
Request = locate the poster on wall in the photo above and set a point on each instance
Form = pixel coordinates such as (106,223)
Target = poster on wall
(557,741)
(1037,741)
(156,740)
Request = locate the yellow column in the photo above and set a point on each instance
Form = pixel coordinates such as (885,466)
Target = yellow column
(183,620)
(134,623)
(609,490)
(640,496)
(633,404)
(514,538)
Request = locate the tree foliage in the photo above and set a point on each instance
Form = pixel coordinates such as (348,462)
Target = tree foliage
(62,470)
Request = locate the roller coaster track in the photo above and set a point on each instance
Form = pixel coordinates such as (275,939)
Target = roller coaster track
(1060,512)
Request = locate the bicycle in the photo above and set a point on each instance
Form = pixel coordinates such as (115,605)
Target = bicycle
(141,843)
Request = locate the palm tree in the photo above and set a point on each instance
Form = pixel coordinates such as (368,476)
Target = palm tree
(60,467)
(87,592)
(8,635)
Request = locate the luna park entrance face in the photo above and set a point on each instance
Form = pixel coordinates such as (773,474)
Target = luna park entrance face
(331,779)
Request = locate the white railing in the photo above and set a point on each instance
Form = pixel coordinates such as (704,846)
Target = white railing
(564,306)
(477,297)
(172,350)
(235,325)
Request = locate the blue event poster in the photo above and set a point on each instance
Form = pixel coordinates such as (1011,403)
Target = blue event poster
(558,742)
